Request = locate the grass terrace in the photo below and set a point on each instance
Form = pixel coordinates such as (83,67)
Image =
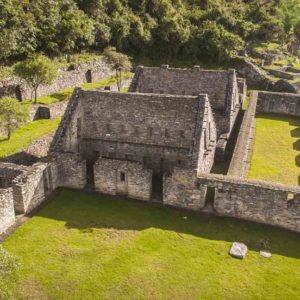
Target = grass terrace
(25,135)
(87,246)
(64,94)
(276,155)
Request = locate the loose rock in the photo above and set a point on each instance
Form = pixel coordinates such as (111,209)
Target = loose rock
(238,250)
(265,254)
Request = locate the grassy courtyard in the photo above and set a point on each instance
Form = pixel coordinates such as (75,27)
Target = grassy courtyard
(85,246)
(276,153)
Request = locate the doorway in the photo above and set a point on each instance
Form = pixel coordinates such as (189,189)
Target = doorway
(157,187)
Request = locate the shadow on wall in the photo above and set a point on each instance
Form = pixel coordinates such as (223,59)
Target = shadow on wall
(87,212)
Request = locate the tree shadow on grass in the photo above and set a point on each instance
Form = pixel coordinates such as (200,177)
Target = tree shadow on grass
(87,212)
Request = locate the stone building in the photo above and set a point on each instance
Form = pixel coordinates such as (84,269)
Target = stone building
(123,143)
(225,91)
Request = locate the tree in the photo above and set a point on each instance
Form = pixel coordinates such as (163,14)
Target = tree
(119,62)
(36,71)
(12,114)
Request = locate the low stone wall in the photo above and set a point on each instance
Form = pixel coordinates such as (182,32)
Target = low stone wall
(67,77)
(263,202)
(123,177)
(31,189)
(27,190)
(180,190)
(280,103)
(242,153)
(283,74)
(51,111)
(40,147)
(7,211)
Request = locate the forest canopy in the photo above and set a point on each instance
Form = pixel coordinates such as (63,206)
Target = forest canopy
(163,28)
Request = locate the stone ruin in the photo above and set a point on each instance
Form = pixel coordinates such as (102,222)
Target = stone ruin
(158,143)
(225,92)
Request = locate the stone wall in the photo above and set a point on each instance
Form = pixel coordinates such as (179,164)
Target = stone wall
(116,177)
(72,172)
(160,131)
(50,111)
(32,188)
(220,86)
(66,136)
(25,190)
(242,153)
(258,201)
(7,211)
(67,77)
(180,190)
(281,103)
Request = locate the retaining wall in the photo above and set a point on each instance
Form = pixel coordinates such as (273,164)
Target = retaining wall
(281,103)
(67,77)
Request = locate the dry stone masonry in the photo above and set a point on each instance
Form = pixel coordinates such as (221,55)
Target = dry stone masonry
(67,77)
(158,143)
(225,91)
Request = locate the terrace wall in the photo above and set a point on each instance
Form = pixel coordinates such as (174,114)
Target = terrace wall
(67,77)
(280,103)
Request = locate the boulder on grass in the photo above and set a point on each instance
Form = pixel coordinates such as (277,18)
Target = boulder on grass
(238,250)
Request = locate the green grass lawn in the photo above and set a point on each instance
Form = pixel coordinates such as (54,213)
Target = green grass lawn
(276,155)
(84,246)
(25,135)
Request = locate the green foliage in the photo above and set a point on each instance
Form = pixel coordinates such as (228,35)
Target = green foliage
(12,115)
(160,28)
(108,248)
(8,273)
(36,71)
(119,62)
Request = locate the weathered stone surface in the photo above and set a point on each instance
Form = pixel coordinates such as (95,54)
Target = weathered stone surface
(265,254)
(238,250)
(79,74)
(222,88)
(263,202)
(7,211)
(241,156)
(282,103)
(256,78)
(180,189)
(124,178)
(160,131)
(26,186)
